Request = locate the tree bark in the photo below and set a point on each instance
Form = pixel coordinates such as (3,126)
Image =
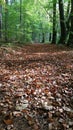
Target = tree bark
(6,20)
(43,38)
(0,21)
(70,40)
(54,22)
(68,16)
(62,23)
(20,12)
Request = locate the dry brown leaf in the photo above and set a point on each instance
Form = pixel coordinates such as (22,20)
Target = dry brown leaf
(8,122)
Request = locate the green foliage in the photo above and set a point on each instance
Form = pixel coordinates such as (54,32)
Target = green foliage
(33,20)
(36,19)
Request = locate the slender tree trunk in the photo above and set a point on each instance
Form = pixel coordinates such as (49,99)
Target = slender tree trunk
(0,21)
(68,16)
(20,21)
(6,20)
(68,22)
(50,36)
(20,12)
(54,22)
(70,40)
(62,23)
(68,8)
(43,38)
(68,19)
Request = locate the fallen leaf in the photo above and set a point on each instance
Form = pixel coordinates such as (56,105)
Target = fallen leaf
(8,122)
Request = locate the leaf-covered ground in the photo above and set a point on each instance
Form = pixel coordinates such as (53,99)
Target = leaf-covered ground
(36,88)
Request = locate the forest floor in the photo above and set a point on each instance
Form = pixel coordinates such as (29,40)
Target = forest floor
(36,87)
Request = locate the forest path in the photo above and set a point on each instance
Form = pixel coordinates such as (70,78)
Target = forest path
(36,87)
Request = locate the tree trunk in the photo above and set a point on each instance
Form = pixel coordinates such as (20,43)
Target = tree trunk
(68,16)
(0,21)
(50,36)
(68,8)
(62,23)
(43,38)
(54,22)
(70,40)
(6,20)
(20,12)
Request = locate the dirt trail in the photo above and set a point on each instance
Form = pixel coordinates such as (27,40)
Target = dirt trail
(36,88)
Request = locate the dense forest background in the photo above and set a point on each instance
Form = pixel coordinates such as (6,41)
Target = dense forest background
(42,21)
